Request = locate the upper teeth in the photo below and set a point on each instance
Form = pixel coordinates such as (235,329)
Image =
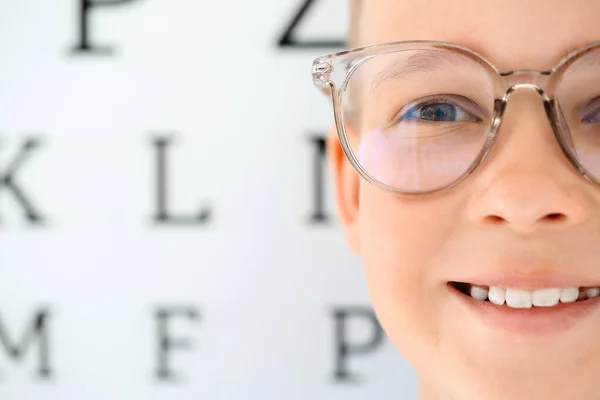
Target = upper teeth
(518,298)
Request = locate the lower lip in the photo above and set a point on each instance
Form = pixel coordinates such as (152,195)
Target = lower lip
(528,321)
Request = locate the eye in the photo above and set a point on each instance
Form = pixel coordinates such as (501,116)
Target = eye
(591,112)
(438,110)
(591,118)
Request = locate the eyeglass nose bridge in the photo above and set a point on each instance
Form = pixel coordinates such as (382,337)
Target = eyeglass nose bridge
(511,81)
(543,83)
(539,81)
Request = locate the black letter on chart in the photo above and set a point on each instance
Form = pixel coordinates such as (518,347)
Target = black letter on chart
(162,211)
(85,9)
(319,215)
(288,38)
(344,350)
(38,329)
(7,180)
(166,343)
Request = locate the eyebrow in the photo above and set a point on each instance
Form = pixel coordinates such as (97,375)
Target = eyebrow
(432,60)
(421,62)
(589,60)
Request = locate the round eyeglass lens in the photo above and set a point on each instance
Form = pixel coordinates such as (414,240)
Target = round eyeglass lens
(417,120)
(578,99)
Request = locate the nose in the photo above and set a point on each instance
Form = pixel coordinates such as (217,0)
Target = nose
(526,183)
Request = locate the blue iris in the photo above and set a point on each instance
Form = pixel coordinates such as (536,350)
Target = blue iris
(445,112)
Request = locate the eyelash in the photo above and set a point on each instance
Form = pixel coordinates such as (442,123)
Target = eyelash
(433,102)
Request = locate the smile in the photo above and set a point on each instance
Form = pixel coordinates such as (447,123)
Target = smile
(527,312)
(519,298)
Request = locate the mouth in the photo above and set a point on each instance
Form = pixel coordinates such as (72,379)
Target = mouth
(527,312)
(519,298)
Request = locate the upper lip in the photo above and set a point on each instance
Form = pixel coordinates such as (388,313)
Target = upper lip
(541,280)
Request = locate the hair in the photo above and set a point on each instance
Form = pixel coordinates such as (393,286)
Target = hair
(353,28)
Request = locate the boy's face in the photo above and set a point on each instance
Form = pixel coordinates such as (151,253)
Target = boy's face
(525,212)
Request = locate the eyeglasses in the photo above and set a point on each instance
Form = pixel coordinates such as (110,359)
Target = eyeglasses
(418,117)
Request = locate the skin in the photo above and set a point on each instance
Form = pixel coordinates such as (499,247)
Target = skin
(497,220)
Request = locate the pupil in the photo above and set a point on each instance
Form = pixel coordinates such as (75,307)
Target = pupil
(440,112)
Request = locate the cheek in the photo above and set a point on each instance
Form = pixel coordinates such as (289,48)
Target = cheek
(401,241)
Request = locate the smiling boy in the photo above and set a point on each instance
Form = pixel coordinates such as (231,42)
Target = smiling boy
(471,192)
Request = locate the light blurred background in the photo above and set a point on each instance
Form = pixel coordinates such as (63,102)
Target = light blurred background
(167,224)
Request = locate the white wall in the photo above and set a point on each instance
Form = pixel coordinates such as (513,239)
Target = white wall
(254,289)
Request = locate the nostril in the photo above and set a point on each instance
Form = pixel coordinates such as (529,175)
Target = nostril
(556,216)
(494,219)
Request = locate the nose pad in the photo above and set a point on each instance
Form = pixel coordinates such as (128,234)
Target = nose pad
(527,181)
(564,136)
(527,121)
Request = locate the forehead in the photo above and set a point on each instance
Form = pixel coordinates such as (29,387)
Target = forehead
(512,34)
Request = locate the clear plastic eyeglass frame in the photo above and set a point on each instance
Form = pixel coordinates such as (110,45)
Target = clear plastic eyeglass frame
(332,73)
